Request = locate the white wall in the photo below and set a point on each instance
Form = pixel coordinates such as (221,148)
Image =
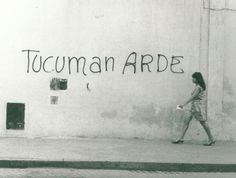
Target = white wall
(229,100)
(129,105)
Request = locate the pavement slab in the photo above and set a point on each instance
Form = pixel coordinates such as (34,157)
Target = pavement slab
(117,154)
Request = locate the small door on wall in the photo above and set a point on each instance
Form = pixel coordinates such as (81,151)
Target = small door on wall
(15,116)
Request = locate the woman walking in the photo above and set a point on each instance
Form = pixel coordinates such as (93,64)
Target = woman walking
(198,109)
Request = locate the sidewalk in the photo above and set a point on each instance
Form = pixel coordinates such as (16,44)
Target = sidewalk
(127,154)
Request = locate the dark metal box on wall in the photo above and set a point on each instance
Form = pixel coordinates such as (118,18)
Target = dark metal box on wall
(15,116)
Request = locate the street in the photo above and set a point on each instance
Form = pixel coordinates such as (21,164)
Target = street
(77,173)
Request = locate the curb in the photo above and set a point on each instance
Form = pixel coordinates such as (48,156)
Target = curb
(142,166)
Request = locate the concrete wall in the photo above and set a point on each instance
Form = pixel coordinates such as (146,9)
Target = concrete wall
(108,103)
(221,97)
(229,87)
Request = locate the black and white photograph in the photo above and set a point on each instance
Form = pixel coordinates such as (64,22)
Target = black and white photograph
(117,89)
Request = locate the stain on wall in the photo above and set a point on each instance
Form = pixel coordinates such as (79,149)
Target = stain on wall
(109,114)
(167,121)
(54,99)
(152,115)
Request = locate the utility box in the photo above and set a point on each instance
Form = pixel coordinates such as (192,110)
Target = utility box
(15,116)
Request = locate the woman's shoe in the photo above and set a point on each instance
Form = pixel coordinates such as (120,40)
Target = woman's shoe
(210,143)
(178,141)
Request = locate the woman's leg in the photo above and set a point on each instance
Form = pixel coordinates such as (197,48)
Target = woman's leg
(185,127)
(207,129)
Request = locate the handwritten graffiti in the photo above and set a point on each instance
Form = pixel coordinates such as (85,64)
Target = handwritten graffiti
(79,64)
(37,63)
(162,63)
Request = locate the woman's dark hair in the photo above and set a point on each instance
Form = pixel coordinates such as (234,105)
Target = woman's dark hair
(199,79)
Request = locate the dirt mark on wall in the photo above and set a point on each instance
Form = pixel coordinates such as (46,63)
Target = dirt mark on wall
(109,114)
(152,115)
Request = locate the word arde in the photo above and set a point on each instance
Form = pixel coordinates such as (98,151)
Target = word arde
(147,60)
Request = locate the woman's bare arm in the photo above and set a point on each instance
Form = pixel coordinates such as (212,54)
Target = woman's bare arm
(195,94)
